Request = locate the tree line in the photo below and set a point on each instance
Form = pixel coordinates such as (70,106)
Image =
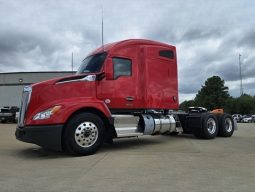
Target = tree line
(214,94)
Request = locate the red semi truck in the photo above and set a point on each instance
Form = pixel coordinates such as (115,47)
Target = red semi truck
(123,89)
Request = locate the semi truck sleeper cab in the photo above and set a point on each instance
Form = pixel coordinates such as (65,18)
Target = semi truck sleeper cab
(123,89)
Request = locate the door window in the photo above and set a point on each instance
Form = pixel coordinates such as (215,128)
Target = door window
(122,67)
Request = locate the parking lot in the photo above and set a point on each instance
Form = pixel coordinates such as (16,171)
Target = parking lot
(151,163)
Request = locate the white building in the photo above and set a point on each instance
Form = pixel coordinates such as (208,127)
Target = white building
(12,84)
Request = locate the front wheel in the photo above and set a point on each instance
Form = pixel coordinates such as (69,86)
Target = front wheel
(83,134)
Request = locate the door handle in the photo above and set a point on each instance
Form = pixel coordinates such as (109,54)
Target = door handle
(130,98)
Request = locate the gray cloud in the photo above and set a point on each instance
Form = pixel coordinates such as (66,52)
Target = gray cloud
(209,35)
(248,39)
(198,34)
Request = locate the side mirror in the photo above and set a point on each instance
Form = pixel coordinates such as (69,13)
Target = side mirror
(109,70)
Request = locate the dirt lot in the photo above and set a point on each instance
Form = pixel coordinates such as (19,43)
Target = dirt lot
(158,163)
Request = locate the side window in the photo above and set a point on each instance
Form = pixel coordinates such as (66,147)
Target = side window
(166,53)
(121,67)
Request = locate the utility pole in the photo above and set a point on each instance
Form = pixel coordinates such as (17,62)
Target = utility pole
(241,78)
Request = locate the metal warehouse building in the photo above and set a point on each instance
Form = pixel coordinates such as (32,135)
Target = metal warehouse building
(12,84)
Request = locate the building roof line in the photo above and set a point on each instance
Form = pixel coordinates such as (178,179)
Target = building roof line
(23,72)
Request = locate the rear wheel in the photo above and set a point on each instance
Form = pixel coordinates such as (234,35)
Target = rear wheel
(83,134)
(209,127)
(174,133)
(226,125)
(4,121)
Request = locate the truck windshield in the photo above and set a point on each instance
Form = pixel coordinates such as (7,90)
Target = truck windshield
(92,64)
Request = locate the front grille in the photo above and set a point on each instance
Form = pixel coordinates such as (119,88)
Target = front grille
(24,104)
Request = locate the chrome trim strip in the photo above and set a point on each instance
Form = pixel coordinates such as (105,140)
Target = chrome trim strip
(130,135)
(87,78)
(70,81)
(128,132)
(26,96)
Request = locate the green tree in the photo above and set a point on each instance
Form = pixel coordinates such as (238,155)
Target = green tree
(186,104)
(245,104)
(231,106)
(213,94)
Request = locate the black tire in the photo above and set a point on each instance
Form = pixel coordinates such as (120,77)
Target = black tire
(170,134)
(209,127)
(4,121)
(226,125)
(83,134)
(174,133)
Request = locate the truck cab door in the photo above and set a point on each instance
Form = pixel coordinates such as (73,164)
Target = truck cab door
(120,90)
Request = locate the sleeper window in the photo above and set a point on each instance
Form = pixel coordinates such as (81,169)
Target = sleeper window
(167,54)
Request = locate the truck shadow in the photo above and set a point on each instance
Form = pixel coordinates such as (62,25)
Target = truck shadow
(129,144)
(134,144)
(39,153)
(118,145)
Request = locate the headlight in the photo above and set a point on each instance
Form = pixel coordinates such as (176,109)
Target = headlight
(47,113)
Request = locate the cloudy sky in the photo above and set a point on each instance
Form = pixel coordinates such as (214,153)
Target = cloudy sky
(40,35)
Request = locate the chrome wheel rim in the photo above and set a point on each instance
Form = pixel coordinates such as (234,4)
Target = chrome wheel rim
(211,125)
(86,134)
(228,125)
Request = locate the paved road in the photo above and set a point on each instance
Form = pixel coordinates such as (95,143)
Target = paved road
(159,163)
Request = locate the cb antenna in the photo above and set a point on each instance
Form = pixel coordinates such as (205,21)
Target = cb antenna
(102,26)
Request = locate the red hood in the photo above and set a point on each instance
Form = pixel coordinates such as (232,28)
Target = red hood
(52,92)
(59,79)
